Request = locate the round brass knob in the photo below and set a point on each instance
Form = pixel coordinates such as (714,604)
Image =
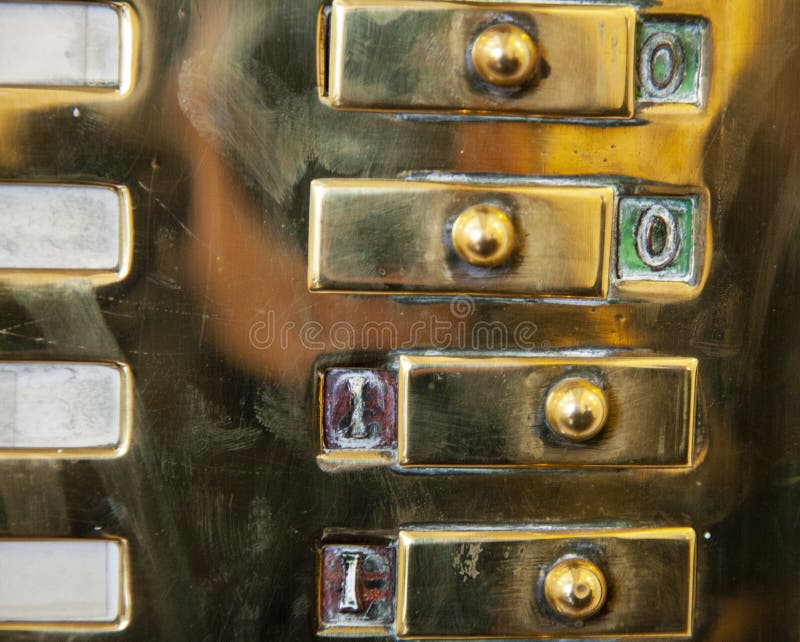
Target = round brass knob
(576,409)
(505,56)
(575,588)
(483,235)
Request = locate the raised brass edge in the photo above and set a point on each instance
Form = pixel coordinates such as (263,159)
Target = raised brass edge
(406,538)
(125,593)
(35,96)
(408,363)
(626,111)
(323,25)
(126,418)
(96,278)
(665,291)
(607,193)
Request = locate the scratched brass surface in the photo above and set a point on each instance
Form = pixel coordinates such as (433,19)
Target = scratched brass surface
(390,236)
(487,584)
(490,412)
(374,47)
(220,496)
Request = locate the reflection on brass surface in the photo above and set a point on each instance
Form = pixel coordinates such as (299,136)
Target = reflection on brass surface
(380,57)
(388,236)
(505,55)
(488,412)
(575,588)
(577,409)
(491,583)
(483,235)
(220,494)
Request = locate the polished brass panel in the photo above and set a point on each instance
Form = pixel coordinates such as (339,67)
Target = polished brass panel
(486,584)
(488,412)
(220,495)
(390,236)
(413,56)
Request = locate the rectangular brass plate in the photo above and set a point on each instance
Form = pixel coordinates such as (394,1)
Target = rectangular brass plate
(486,583)
(390,236)
(412,56)
(64,584)
(489,412)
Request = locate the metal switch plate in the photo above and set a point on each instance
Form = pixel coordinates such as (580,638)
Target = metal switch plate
(488,412)
(78,585)
(58,232)
(76,46)
(394,237)
(488,583)
(412,56)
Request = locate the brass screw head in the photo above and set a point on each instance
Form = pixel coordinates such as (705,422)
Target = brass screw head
(576,409)
(575,588)
(483,235)
(505,56)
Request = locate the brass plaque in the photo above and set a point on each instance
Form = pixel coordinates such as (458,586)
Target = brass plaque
(489,412)
(392,236)
(488,583)
(415,56)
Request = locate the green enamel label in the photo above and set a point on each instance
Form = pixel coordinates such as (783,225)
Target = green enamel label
(655,238)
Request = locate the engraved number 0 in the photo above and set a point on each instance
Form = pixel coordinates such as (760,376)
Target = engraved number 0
(657,255)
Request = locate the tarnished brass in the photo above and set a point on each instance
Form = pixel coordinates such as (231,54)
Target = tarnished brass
(576,409)
(408,55)
(505,55)
(388,236)
(489,412)
(483,235)
(575,588)
(492,583)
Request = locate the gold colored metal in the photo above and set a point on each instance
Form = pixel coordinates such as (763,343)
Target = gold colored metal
(380,58)
(125,598)
(481,583)
(575,588)
(385,236)
(483,235)
(487,412)
(505,55)
(576,409)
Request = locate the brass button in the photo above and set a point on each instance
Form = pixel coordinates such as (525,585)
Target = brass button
(576,409)
(505,56)
(575,588)
(483,235)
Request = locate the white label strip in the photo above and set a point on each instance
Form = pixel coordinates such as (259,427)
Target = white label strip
(61,581)
(60,227)
(63,406)
(61,45)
